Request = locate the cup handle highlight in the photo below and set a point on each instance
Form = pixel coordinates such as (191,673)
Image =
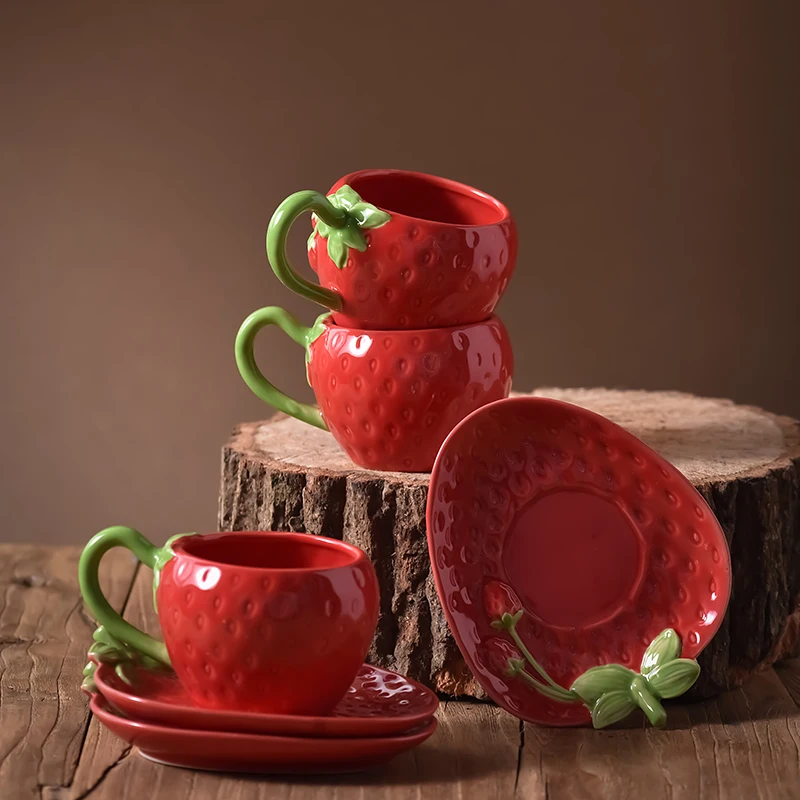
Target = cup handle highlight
(150,555)
(282,220)
(253,377)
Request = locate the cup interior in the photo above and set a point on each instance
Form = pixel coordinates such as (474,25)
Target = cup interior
(271,550)
(426,197)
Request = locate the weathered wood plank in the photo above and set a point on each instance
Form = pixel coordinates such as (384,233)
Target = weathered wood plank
(473,754)
(744,744)
(44,635)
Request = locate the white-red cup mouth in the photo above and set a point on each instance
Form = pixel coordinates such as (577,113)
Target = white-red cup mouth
(268,551)
(426,198)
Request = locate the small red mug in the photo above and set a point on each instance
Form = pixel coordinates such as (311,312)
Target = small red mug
(269,622)
(390,398)
(399,250)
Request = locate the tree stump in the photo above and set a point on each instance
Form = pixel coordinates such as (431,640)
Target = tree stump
(284,475)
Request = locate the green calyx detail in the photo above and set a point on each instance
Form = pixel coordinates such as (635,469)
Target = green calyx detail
(612,691)
(162,556)
(314,332)
(107,649)
(359,216)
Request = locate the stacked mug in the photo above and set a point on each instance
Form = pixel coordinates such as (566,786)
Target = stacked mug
(411,267)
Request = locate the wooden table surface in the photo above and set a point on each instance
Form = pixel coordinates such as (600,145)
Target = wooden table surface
(745,744)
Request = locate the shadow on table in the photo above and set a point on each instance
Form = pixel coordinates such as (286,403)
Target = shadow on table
(433,763)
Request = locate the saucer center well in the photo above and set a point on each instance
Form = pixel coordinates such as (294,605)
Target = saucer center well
(574,558)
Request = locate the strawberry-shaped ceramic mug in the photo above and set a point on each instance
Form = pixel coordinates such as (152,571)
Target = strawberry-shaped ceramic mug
(400,250)
(270,622)
(388,397)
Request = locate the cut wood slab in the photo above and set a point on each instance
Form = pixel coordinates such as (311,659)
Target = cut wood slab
(283,475)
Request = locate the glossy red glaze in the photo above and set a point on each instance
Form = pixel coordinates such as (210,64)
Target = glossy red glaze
(271,622)
(252,752)
(541,505)
(378,703)
(444,259)
(391,397)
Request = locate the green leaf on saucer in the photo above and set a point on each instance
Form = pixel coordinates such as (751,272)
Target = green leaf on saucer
(515,667)
(611,708)
(507,621)
(673,678)
(665,647)
(598,681)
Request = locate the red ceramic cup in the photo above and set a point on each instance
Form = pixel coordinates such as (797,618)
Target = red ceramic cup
(388,397)
(400,250)
(271,622)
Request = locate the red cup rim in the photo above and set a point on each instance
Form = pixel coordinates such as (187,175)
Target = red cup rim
(329,322)
(432,180)
(186,545)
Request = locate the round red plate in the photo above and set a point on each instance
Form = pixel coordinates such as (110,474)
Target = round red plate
(540,505)
(379,703)
(253,752)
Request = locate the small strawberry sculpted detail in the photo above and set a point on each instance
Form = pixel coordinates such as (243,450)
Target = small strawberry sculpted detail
(360,216)
(611,691)
(499,599)
(107,649)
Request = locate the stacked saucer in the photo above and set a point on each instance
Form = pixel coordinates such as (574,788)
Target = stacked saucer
(382,715)
(262,664)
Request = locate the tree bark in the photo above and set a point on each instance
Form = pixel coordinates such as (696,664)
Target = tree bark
(283,475)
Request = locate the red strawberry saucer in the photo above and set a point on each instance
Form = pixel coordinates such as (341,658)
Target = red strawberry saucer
(252,752)
(379,703)
(560,543)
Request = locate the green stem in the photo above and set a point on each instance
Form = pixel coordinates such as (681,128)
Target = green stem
(648,702)
(560,696)
(532,661)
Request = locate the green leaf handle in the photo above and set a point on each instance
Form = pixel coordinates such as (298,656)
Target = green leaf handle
(253,377)
(150,555)
(277,232)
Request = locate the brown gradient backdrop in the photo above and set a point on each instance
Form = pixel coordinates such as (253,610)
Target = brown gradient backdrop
(648,151)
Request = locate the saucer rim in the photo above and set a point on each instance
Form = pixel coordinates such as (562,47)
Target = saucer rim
(331,727)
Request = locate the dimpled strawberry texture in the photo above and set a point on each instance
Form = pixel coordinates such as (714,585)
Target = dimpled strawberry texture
(287,643)
(391,398)
(415,274)
(520,450)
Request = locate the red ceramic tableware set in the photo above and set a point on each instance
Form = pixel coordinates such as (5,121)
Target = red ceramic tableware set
(580,573)
(262,664)
(411,267)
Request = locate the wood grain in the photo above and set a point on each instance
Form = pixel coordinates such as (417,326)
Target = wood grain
(44,635)
(284,475)
(744,744)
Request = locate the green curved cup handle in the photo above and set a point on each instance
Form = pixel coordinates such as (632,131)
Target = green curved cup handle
(253,377)
(151,556)
(340,218)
